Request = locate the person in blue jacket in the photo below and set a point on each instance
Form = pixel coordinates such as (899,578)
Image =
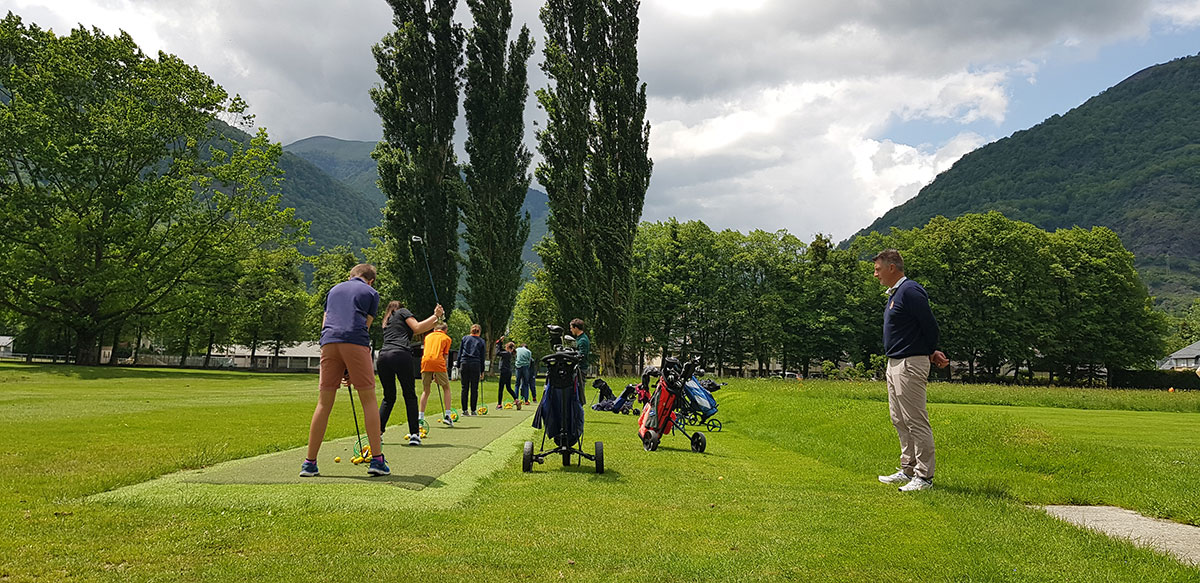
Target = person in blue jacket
(470,368)
(910,338)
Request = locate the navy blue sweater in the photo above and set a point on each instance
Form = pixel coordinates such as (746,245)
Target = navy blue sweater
(908,325)
(470,350)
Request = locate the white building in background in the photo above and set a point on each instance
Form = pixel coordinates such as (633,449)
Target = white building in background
(6,345)
(1186,357)
(303,356)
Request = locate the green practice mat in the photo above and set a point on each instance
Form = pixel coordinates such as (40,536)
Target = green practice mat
(413,467)
(446,466)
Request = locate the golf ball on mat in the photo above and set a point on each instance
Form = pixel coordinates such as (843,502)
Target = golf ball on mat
(337,460)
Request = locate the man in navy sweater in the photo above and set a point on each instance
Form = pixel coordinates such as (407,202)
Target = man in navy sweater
(910,337)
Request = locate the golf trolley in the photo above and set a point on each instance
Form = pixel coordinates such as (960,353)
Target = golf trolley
(699,408)
(561,409)
(662,414)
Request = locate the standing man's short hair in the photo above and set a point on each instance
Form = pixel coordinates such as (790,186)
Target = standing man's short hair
(363,270)
(889,257)
(577,323)
(476,329)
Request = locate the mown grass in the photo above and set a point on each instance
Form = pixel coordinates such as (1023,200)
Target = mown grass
(786,492)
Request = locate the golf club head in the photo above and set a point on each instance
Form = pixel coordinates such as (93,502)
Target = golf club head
(417,239)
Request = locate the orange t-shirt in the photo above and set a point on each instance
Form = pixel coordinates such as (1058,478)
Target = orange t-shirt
(437,346)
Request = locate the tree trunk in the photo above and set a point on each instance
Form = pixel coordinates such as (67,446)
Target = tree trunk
(187,347)
(253,349)
(137,348)
(116,339)
(86,352)
(212,336)
(275,356)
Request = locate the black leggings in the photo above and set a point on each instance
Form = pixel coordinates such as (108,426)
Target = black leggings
(391,365)
(470,372)
(505,383)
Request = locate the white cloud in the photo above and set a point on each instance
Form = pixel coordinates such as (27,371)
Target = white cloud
(765,113)
(1185,13)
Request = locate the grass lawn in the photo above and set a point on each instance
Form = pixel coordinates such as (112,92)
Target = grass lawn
(786,492)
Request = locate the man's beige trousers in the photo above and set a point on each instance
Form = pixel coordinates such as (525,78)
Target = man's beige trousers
(906,379)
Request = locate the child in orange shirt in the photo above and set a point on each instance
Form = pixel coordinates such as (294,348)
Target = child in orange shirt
(433,368)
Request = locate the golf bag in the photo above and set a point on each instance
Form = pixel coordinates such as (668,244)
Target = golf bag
(561,409)
(699,407)
(608,402)
(667,406)
(605,390)
(560,412)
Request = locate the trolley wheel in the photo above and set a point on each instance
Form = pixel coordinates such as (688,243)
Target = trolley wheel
(527,457)
(599,457)
(650,441)
(714,425)
(699,442)
(566,458)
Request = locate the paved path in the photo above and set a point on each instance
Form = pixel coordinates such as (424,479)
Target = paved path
(1180,540)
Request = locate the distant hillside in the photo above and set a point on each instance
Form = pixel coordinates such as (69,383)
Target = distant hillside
(340,215)
(1128,159)
(349,161)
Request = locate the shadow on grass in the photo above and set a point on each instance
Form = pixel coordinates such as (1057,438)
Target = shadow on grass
(586,468)
(88,373)
(398,480)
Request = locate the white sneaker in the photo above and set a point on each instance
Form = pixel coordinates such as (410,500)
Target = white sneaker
(414,439)
(897,478)
(917,483)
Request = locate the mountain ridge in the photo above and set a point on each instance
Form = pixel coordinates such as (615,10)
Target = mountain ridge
(1127,159)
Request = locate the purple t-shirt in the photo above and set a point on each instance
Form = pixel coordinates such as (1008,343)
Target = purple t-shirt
(346,310)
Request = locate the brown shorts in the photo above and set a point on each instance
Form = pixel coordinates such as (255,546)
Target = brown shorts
(338,357)
(438,377)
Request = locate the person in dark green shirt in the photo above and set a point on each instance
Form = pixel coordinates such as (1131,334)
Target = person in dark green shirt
(582,343)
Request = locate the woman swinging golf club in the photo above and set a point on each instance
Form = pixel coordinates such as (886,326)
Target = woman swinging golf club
(395,362)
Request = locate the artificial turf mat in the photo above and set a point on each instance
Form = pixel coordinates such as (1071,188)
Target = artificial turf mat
(448,464)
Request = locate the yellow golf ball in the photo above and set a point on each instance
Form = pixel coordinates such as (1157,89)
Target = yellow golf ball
(337,460)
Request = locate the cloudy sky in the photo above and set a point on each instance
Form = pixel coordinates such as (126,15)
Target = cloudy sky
(808,115)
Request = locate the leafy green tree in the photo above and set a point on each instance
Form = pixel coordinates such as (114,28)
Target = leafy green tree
(274,301)
(459,325)
(1104,314)
(331,267)
(497,175)
(110,202)
(619,168)
(1188,326)
(535,309)
(596,168)
(417,101)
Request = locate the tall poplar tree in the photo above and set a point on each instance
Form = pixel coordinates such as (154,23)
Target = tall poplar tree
(596,167)
(417,101)
(497,175)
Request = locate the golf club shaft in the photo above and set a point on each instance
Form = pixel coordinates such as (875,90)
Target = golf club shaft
(357,433)
(430,272)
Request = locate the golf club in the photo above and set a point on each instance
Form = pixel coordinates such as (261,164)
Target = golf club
(358,433)
(417,239)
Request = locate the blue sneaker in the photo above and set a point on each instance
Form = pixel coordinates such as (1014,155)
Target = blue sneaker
(308,469)
(378,467)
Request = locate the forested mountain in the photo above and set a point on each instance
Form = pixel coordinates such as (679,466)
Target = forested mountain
(340,215)
(349,161)
(1127,159)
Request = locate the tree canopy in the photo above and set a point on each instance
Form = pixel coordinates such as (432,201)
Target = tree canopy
(118,194)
